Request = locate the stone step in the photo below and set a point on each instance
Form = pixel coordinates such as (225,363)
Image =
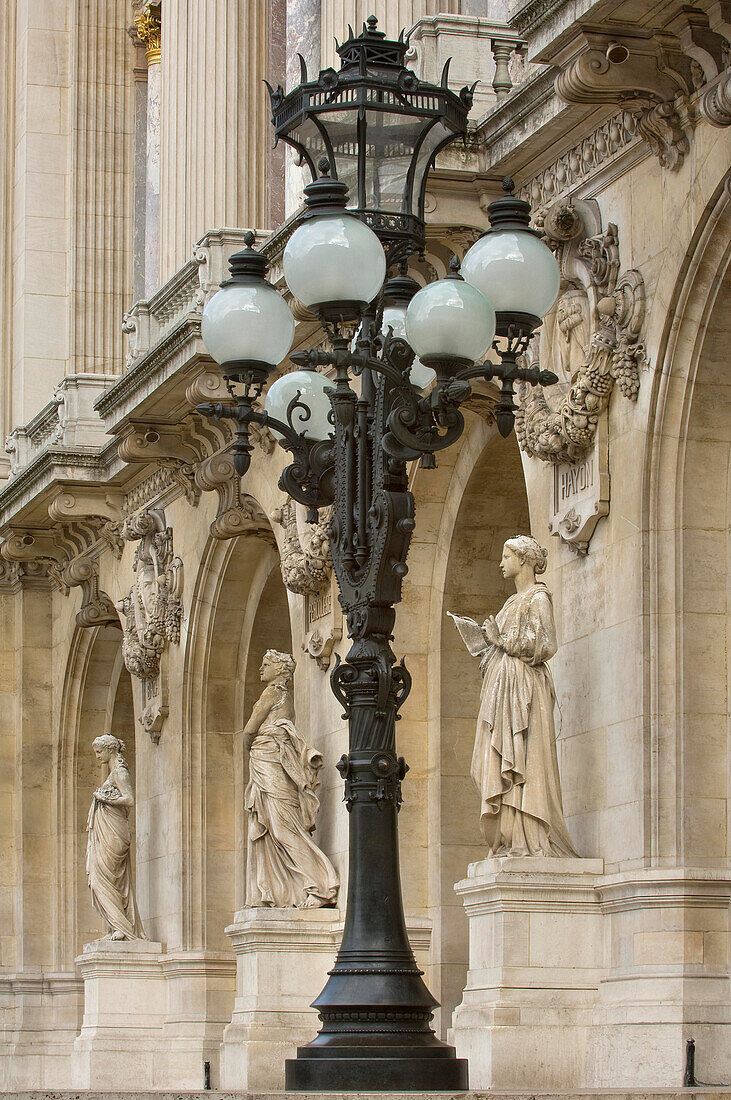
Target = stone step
(697,1093)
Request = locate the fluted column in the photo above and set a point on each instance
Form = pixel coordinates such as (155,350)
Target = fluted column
(303,37)
(392,15)
(101,178)
(148,23)
(214,121)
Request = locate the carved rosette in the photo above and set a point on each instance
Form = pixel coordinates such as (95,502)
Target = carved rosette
(595,342)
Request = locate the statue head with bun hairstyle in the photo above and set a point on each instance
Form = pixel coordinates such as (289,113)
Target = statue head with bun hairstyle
(529,552)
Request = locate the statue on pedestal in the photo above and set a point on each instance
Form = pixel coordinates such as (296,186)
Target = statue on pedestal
(108,862)
(284,868)
(514,764)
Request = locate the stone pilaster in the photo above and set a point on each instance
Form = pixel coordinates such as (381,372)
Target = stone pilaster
(215,133)
(149,29)
(101,178)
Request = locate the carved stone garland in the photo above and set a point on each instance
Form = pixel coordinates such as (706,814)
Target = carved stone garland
(153,607)
(596,328)
(307,571)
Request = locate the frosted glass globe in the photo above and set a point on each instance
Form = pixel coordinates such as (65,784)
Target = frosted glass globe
(333,258)
(450,318)
(395,317)
(311,386)
(515,270)
(247,321)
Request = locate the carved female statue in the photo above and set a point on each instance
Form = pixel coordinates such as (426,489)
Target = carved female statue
(285,868)
(514,763)
(108,865)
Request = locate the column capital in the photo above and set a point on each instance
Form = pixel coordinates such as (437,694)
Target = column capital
(148,22)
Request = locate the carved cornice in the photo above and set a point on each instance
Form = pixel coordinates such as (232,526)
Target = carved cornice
(149,30)
(532,14)
(582,161)
(144,371)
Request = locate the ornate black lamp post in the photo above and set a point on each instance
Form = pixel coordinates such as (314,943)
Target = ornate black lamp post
(375,126)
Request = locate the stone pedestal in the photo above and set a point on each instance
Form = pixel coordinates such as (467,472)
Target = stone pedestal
(535,958)
(119,1044)
(282,960)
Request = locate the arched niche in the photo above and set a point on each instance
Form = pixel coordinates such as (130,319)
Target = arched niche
(687,750)
(492,507)
(97,699)
(239,610)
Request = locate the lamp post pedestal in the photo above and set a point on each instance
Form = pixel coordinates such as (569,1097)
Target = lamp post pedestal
(375,1008)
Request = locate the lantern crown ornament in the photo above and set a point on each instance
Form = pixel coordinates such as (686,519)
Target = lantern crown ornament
(380,128)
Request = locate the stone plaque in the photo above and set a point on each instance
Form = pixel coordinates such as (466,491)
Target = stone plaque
(581,493)
(323,625)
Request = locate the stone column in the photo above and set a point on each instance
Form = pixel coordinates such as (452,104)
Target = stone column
(215,132)
(303,36)
(149,29)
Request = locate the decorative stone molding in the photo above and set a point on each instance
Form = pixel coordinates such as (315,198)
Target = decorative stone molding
(645,71)
(307,571)
(96,606)
(167,446)
(306,563)
(581,493)
(81,503)
(591,338)
(582,161)
(153,608)
(238,513)
(715,104)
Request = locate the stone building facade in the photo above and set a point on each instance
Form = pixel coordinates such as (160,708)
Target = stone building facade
(137,150)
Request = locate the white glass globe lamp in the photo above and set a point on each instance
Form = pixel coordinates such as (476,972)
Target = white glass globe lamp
(512,266)
(312,413)
(333,263)
(449,324)
(247,326)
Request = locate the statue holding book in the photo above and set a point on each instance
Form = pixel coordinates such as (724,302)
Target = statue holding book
(514,763)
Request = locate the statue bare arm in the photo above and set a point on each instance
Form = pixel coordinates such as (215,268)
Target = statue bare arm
(262,706)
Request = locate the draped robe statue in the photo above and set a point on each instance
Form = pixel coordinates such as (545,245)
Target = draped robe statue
(514,763)
(284,868)
(108,864)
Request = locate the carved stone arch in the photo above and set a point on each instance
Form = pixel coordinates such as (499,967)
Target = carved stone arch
(97,692)
(238,609)
(680,481)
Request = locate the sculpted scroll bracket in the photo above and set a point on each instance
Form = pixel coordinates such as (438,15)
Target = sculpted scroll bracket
(238,513)
(152,610)
(654,75)
(591,338)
